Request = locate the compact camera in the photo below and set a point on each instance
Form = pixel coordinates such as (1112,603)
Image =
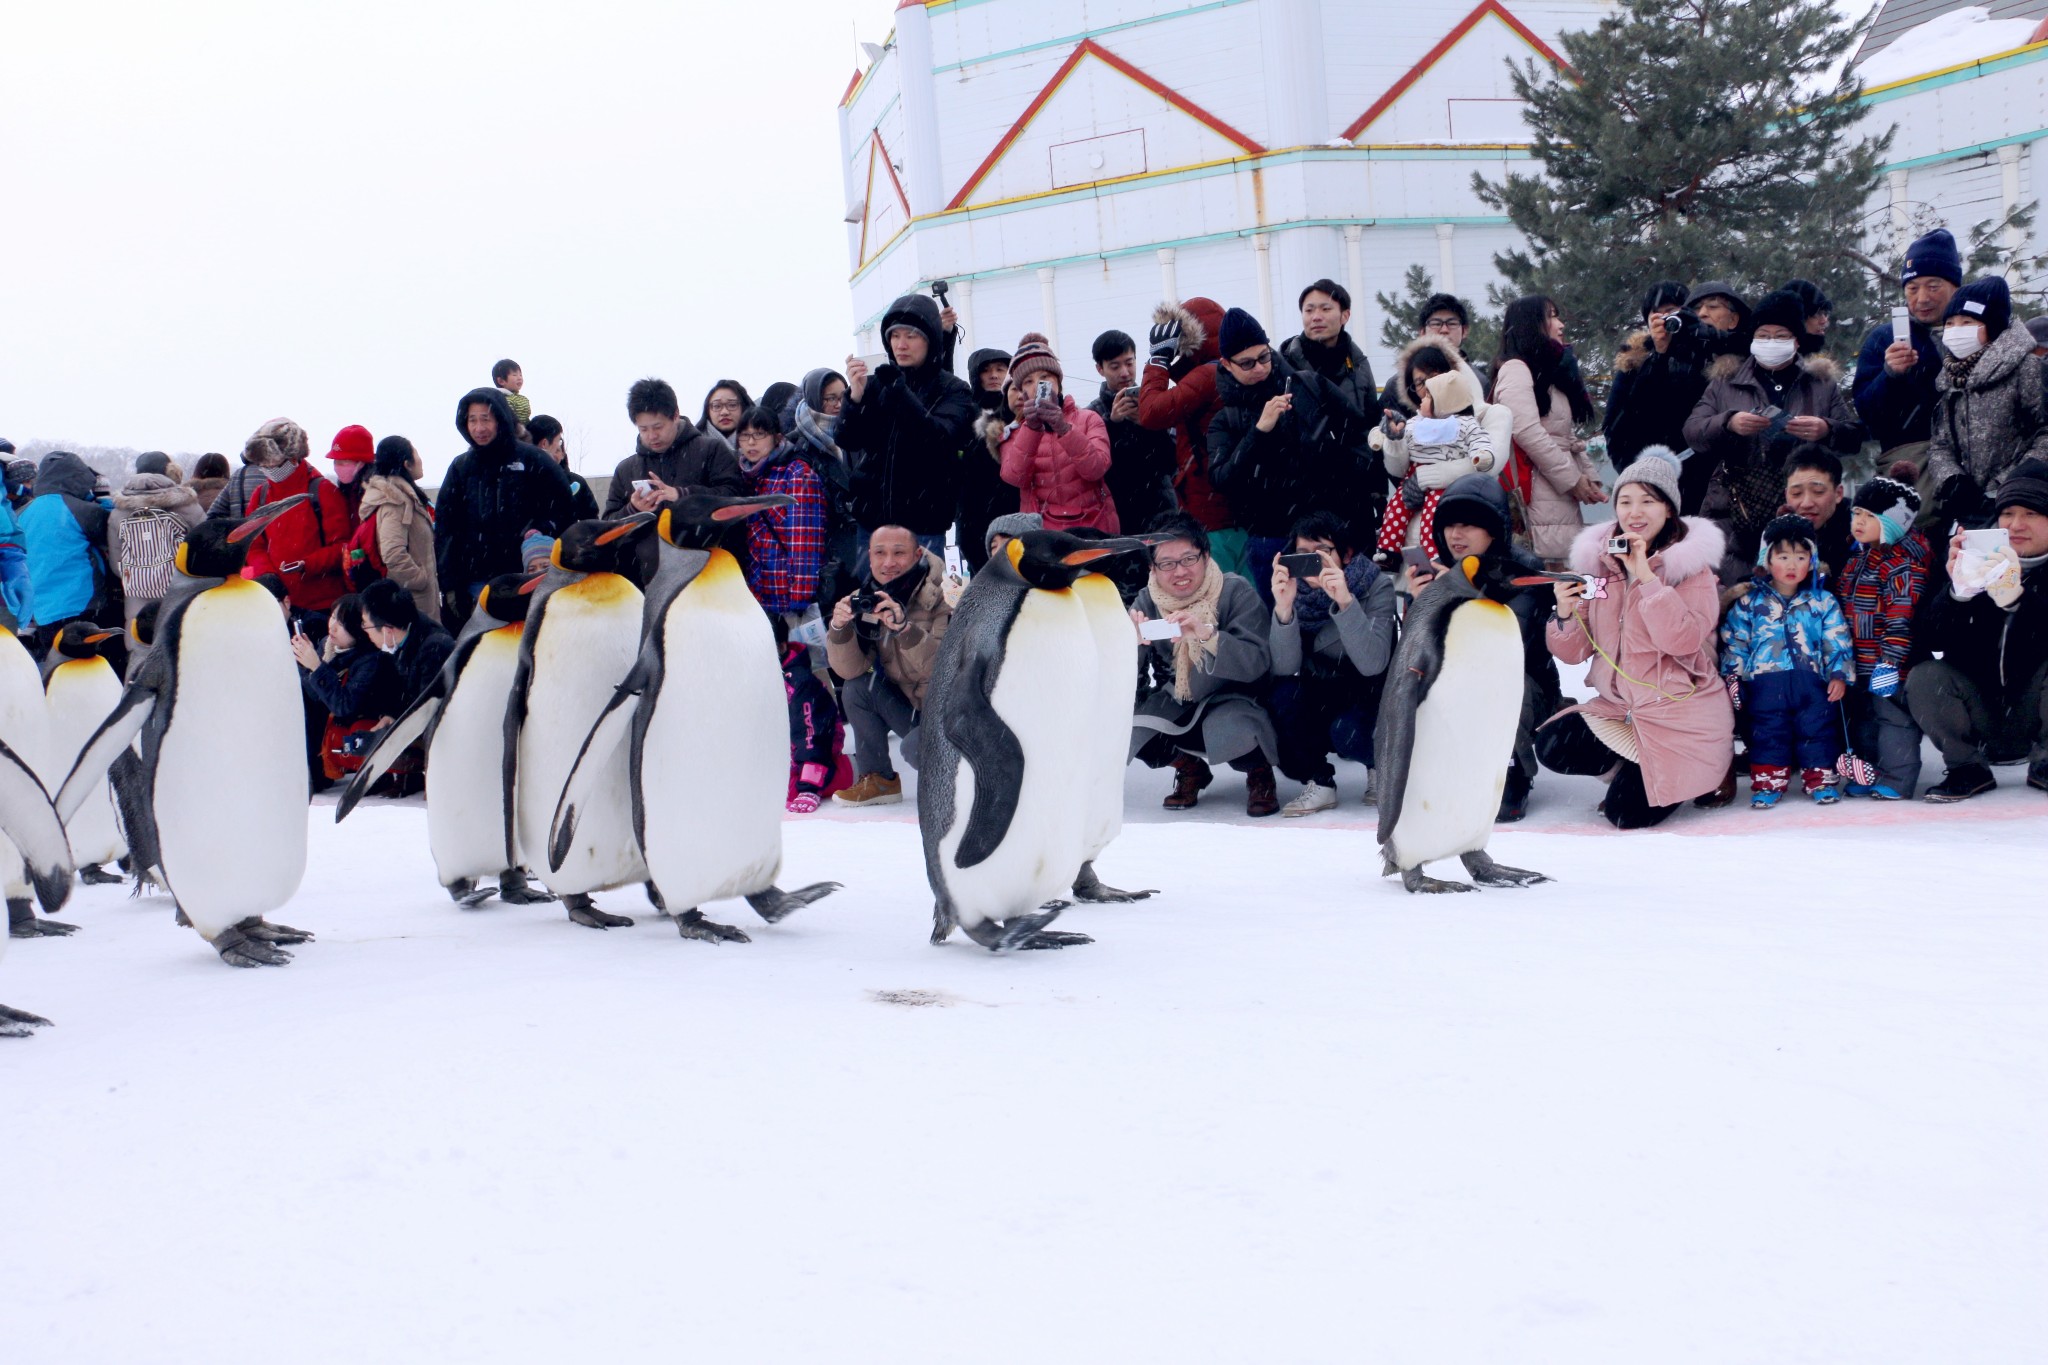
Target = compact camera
(1619,546)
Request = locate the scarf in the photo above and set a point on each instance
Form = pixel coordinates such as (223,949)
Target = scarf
(903,590)
(1959,369)
(816,431)
(1313,607)
(1188,652)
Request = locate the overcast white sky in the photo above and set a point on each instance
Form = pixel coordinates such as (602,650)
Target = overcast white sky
(215,213)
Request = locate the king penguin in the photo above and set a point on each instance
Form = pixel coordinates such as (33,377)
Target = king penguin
(706,715)
(460,718)
(1447,730)
(582,638)
(218,706)
(34,834)
(81,688)
(25,728)
(1008,776)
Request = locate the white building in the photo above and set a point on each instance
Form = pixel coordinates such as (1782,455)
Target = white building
(1065,164)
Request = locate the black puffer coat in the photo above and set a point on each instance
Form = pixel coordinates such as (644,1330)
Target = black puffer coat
(1273,478)
(903,437)
(491,495)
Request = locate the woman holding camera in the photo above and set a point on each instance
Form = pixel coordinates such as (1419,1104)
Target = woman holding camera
(1645,613)
(1057,452)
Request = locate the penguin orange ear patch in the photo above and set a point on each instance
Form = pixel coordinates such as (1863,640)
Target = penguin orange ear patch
(1471,567)
(1015,550)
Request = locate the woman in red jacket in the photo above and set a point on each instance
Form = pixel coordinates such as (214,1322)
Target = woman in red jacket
(1058,452)
(307,547)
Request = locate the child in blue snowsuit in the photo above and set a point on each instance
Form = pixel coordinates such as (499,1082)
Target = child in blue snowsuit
(1788,644)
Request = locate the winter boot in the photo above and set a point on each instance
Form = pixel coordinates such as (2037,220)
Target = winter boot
(2037,774)
(1514,798)
(1819,784)
(1961,783)
(872,790)
(1190,776)
(1261,796)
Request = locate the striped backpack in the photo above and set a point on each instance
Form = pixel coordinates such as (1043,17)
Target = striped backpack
(149,541)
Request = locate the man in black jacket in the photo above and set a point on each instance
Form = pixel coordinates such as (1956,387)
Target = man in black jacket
(903,428)
(494,492)
(1140,477)
(672,457)
(1326,360)
(1985,700)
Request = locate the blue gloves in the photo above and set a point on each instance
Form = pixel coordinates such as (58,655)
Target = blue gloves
(1884,680)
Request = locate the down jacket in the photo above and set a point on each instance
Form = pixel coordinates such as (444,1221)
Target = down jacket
(1187,405)
(405,538)
(1654,664)
(1059,475)
(908,656)
(1557,459)
(1987,422)
(308,546)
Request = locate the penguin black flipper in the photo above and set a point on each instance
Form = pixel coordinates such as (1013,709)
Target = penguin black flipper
(417,723)
(30,822)
(991,749)
(107,744)
(593,762)
(1415,670)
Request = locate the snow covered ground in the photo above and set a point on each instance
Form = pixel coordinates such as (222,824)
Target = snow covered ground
(1765,1087)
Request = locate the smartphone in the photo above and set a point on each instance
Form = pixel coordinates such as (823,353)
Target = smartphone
(1416,557)
(1902,323)
(874,361)
(298,626)
(1158,630)
(1131,392)
(1287,384)
(1303,566)
(643,486)
(955,566)
(1045,390)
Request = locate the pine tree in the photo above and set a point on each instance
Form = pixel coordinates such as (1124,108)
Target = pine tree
(1404,317)
(1695,140)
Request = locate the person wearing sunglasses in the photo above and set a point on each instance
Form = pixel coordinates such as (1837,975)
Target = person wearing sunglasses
(1263,446)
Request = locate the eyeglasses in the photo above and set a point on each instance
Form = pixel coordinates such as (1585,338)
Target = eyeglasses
(1187,561)
(1442,325)
(725,405)
(1258,361)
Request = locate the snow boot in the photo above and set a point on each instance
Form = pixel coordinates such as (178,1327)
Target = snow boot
(1261,795)
(1820,785)
(1961,783)
(1190,776)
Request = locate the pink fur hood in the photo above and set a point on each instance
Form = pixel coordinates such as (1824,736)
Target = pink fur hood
(1702,548)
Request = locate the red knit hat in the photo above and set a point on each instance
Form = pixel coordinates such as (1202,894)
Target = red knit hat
(1034,357)
(353,443)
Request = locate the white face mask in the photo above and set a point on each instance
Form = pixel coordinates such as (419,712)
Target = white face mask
(1961,342)
(1771,352)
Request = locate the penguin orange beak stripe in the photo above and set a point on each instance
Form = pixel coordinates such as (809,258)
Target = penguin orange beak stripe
(1088,556)
(103,635)
(262,517)
(737,510)
(530,584)
(639,521)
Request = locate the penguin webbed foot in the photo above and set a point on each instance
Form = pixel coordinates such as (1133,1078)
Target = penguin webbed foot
(239,949)
(1091,890)
(19,1023)
(584,911)
(22,922)
(775,905)
(92,874)
(466,893)
(1486,872)
(1413,881)
(1053,938)
(1021,932)
(515,889)
(264,931)
(692,924)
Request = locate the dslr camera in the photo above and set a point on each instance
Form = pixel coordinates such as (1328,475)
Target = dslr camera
(866,623)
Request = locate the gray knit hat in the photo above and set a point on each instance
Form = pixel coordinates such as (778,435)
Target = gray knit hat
(1654,467)
(1015,524)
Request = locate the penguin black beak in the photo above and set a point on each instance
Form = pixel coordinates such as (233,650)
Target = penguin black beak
(262,517)
(631,526)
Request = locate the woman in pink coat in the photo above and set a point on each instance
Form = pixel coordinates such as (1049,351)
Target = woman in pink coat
(1057,452)
(1662,723)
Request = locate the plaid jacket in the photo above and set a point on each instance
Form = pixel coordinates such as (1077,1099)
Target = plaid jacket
(1878,591)
(786,544)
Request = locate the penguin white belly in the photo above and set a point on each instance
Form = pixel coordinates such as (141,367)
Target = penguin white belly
(589,638)
(1464,738)
(24,725)
(714,764)
(1116,690)
(82,693)
(1045,693)
(466,763)
(230,787)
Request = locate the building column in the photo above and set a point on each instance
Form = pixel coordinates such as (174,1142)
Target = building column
(1902,213)
(2009,194)
(1354,267)
(1048,307)
(920,149)
(1446,270)
(1262,261)
(1169,287)
(960,293)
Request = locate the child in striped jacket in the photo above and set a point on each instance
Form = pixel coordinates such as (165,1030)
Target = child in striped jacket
(1879,589)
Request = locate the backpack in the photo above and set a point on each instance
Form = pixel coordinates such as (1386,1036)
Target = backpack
(364,562)
(149,542)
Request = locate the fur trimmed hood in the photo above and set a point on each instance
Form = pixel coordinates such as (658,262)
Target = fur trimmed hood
(1201,321)
(1701,550)
(1819,366)
(153,493)
(991,427)
(1634,350)
(1414,348)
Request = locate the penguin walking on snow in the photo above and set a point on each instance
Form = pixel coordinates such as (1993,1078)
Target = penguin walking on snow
(24,728)
(218,707)
(1447,730)
(701,728)
(1007,796)
(31,829)
(581,639)
(460,718)
(81,688)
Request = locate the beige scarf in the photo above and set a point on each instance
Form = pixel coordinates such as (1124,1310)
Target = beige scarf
(1188,652)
